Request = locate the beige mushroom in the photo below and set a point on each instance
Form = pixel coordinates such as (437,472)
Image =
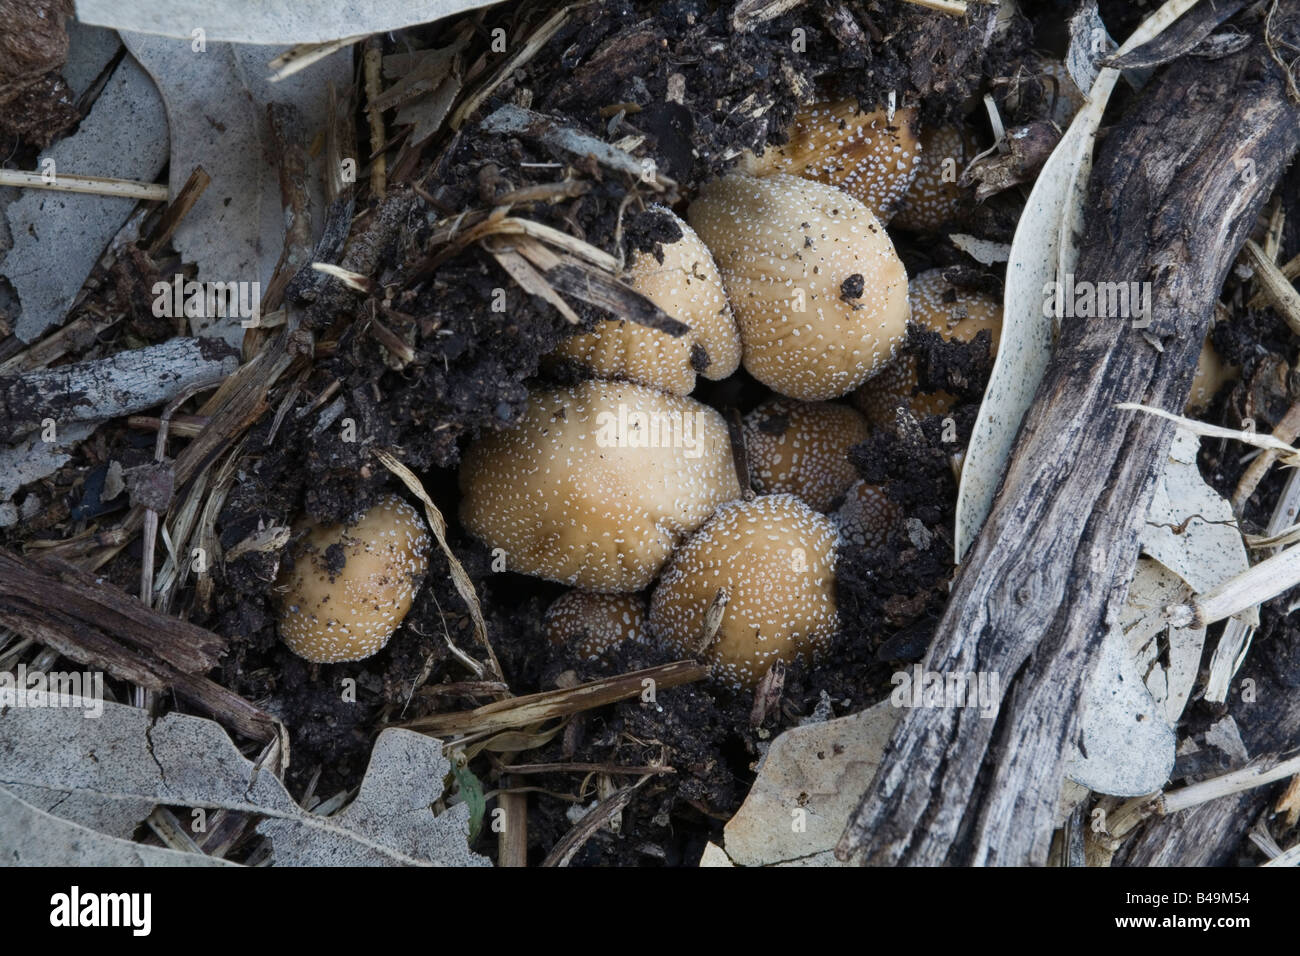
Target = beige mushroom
(687,286)
(958,314)
(594,623)
(351,585)
(867,515)
(802,448)
(935,198)
(819,294)
(597,483)
(1212,373)
(773,558)
(870,157)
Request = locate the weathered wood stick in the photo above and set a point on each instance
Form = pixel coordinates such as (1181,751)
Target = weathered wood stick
(100,389)
(100,626)
(1174,193)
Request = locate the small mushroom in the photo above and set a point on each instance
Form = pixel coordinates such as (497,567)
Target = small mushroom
(351,585)
(773,559)
(958,314)
(819,293)
(594,623)
(867,515)
(597,483)
(867,155)
(936,198)
(1212,373)
(802,448)
(687,286)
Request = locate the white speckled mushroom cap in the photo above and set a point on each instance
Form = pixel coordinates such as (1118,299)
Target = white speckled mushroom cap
(598,483)
(934,199)
(687,286)
(802,448)
(958,314)
(819,294)
(594,623)
(867,155)
(350,614)
(775,557)
(866,516)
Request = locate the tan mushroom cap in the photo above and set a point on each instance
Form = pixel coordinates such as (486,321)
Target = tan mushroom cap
(1212,373)
(775,558)
(351,614)
(598,483)
(959,315)
(594,623)
(819,294)
(867,515)
(934,199)
(687,286)
(802,448)
(867,155)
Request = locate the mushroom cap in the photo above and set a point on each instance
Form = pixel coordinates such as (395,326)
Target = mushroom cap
(687,286)
(958,314)
(775,558)
(1212,373)
(867,155)
(329,613)
(819,294)
(934,199)
(867,515)
(597,483)
(594,623)
(802,448)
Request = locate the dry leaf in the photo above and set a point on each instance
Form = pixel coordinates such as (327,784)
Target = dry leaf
(268,24)
(124,757)
(216,104)
(59,236)
(807,787)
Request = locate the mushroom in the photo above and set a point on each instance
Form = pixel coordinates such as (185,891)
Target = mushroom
(958,314)
(687,286)
(1212,373)
(867,515)
(597,483)
(594,623)
(802,448)
(867,155)
(935,198)
(819,294)
(773,560)
(350,586)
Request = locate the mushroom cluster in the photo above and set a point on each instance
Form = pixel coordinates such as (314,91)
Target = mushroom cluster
(623,483)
